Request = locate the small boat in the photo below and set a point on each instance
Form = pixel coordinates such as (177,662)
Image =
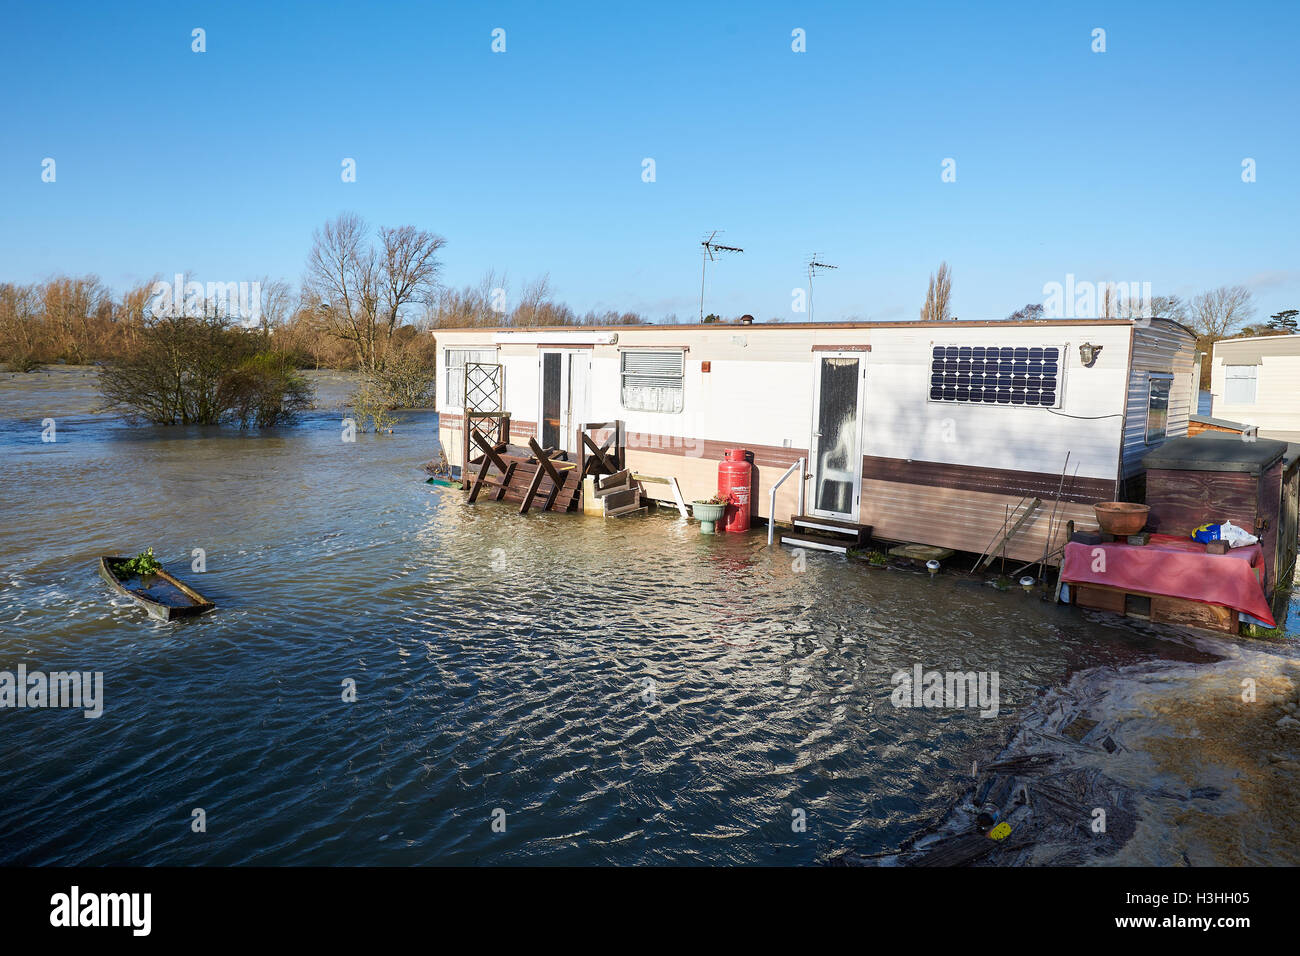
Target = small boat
(165,599)
(441,473)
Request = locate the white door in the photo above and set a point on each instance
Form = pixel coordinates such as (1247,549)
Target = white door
(835,453)
(562,397)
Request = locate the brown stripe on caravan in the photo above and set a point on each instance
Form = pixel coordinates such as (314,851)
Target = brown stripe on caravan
(456,420)
(1001,481)
(770,455)
(966,520)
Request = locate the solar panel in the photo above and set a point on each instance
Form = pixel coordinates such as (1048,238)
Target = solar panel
(996,375)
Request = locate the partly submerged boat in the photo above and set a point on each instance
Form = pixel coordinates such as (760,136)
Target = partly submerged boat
(441,473)
(165,598)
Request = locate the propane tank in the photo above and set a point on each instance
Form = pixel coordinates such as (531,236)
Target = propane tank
(735,475)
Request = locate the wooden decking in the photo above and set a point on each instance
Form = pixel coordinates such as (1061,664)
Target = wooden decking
(543,478)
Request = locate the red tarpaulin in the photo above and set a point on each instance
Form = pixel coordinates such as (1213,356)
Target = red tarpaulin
(1175,567)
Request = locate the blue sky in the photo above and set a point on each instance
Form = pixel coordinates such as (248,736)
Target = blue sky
(1121,166)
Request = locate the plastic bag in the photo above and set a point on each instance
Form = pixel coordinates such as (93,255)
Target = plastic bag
(1227,531)
(1236,537)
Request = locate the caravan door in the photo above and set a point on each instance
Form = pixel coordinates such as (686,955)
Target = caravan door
(562,397)
(835,452)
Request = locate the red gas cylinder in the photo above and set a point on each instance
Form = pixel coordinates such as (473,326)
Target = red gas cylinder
(735,475)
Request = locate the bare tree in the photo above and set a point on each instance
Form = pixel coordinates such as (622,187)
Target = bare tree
(532,301)
(1168,307)
(1030,313)
(472,307)
(363,293)
(409,274)
(19,309)
(938,297)
(1217,313)
(70,303)
(275,303)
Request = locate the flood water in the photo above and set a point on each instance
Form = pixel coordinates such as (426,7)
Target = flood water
(623,691)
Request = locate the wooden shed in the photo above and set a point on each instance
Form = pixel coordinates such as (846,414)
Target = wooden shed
(1217,477)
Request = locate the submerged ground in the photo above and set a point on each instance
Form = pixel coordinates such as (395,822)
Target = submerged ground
(605,692)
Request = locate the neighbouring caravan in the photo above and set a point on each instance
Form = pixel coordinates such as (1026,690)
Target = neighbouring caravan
(927,432)
(1256,381)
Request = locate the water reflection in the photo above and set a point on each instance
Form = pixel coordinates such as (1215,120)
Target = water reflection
(501,661)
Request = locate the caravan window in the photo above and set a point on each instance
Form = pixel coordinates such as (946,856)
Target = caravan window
(1239,384)
(1158,385)
(456,360)
(996,375)
(653,381)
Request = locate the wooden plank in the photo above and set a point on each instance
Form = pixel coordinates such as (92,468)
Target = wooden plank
(491,451)
(622,499)
(622,479)
(533,485)
(598,452)
(1099,598)
(997,548)
(1212,617)
(480,479)
(544,460)
(1181,501)
(505,480)
(962,520)
(1002,481)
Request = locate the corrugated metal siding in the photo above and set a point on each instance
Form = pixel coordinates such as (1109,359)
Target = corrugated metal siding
(1160,347)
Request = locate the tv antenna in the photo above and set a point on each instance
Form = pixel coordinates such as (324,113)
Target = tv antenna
(710,248)
(813,266)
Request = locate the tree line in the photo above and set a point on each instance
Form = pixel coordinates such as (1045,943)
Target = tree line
(367,298)
(1213,315)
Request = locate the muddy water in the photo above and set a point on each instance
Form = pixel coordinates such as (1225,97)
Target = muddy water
(624,691)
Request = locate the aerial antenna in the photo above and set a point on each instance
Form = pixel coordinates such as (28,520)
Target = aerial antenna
(711,247)
(813,266)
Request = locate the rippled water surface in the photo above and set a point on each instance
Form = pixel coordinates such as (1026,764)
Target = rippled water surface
(625,691)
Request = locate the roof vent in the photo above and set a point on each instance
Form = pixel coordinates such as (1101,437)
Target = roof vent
(746,320)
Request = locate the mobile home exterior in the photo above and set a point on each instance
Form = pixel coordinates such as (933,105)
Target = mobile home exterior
(1254,381)
(928,432)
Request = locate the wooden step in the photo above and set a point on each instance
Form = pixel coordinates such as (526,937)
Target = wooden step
(621,498)
(602,491)
(817,542)
(860,533)
(619,479)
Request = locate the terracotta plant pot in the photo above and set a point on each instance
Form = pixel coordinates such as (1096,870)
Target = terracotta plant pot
(707,514)
(1121,517)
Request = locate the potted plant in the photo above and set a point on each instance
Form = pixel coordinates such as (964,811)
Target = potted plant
(144,566)
(709,512)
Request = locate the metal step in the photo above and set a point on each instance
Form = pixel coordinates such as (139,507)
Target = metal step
(817,542)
